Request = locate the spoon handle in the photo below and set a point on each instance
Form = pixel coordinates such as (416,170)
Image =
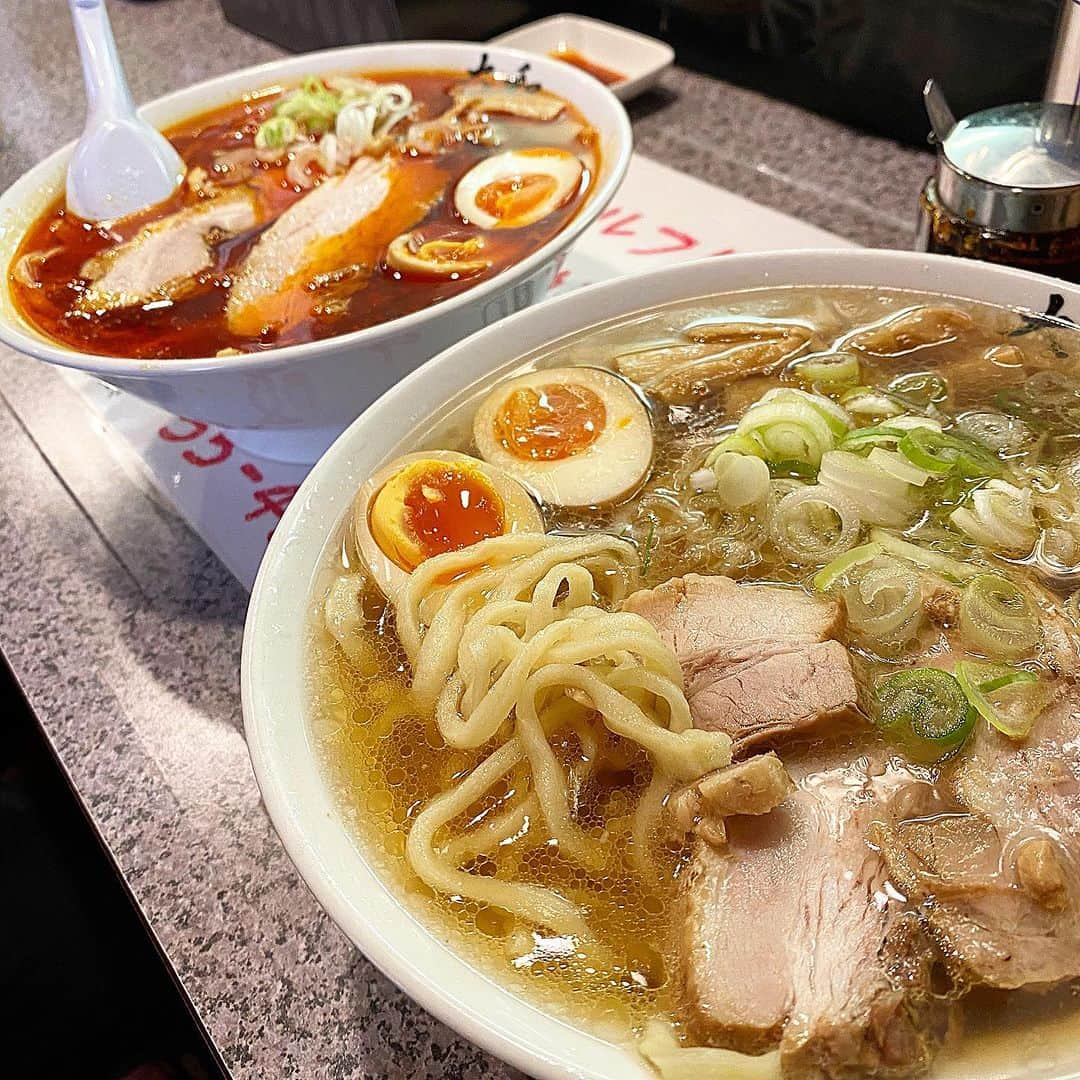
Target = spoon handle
(106,88)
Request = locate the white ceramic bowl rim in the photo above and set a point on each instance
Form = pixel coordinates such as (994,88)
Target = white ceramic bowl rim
(293,787)
(406,55)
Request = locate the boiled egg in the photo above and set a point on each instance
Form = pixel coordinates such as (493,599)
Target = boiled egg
(578,436)
(419,254)
(424,504)
(518,187)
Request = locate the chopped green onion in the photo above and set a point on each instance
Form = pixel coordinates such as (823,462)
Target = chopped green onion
(876,435)
(880,498)
(998,618)
(926,710)
(927,558)
(788,430)
(920,388)
(313,106)
(1009,699)
(795,470)
(910,422)
(829,575)
(1000,517)
(866,401)
(895,464)
(836,417)
(940,453)
(829,369)
(885,604)
(276,133)
(741,480)
(733,444)
(813,525)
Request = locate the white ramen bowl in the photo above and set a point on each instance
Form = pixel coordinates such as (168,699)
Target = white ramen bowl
(294,400)
(276,700)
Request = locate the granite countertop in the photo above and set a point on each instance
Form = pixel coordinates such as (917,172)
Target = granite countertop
(124,630)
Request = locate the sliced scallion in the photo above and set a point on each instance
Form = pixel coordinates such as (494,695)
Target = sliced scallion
(733,444)
(828,369)
(920,388)
(829,575)
(926,710)
(866,401)
(927,558)
(999,516)
(276,133)
(885,604)
(940,453)
(875,435)
(998,618)
(813,525)
(1009,699)
(893,463)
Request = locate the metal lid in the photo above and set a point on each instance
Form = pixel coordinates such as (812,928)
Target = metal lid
(1014,167)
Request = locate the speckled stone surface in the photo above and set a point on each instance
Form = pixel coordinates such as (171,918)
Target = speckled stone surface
(124,630)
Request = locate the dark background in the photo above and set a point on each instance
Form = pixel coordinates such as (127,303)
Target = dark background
(863,62)
(84,991)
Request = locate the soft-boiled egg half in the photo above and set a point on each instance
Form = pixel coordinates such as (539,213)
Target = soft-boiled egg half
(578,436)
(422,255)
(518,187)
(424,504)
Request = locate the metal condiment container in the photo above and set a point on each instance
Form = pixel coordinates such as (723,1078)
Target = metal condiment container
(1007,186)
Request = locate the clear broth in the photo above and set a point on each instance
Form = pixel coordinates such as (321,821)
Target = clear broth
(384,762)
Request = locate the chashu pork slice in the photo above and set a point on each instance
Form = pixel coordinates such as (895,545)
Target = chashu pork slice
(794,939)
(999,886)
(340,229)
(162,261)
(760,661)
(513,99)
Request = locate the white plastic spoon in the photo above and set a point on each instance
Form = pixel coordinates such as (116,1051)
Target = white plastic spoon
(121,164)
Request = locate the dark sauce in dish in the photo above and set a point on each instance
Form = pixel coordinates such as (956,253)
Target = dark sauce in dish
(608,76)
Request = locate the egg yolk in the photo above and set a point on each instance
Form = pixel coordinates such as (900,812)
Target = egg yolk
(549,423)
(513,197)
(431,507)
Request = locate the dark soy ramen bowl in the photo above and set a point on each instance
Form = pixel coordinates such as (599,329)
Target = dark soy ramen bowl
(290,401)
(348,875)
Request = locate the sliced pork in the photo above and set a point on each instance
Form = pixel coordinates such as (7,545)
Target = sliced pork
(794,938)
(487,96)
(335,234)
(162,261)
(715,356)
(760,661)
(754,786)
(999,886)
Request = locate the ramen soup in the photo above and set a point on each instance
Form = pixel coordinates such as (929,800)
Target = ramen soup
(314,211)
(711,678)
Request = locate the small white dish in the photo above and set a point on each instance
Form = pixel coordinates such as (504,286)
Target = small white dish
(640,59)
